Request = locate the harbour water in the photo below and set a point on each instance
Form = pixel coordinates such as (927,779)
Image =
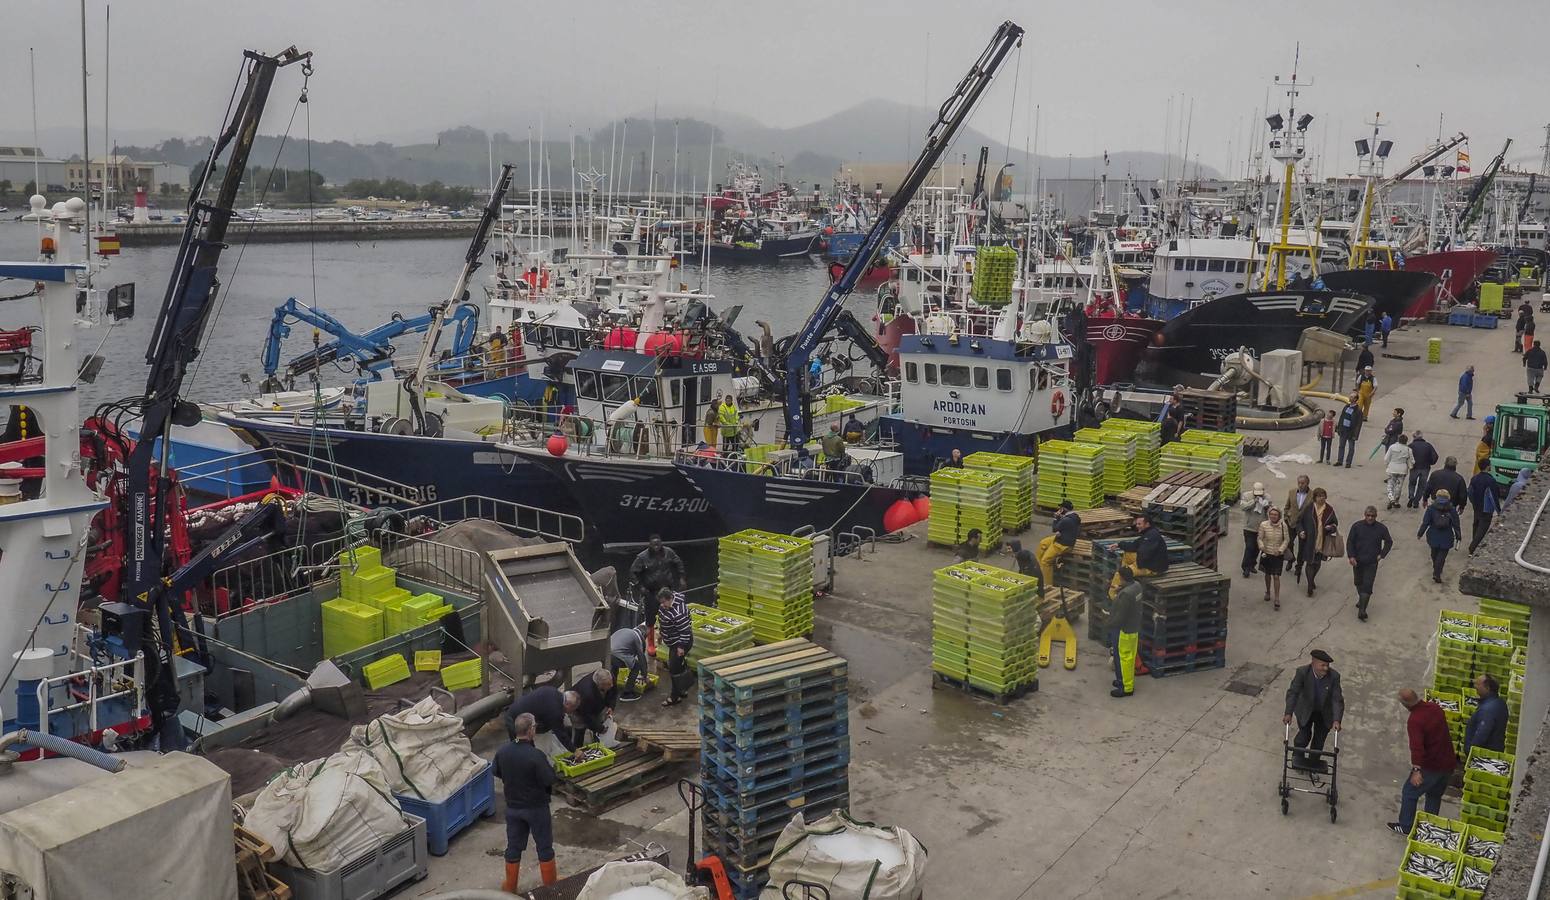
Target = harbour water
(361,284)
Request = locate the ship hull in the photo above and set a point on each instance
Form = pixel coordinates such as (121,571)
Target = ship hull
(1117,344)
(766,250)
(1196,341)
(1394,291)
(1456,270)
(785,504)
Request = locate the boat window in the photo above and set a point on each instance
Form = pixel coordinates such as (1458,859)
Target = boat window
(981,377)
(1521,433)
(586,384)
(705,395)
(1038,379)
(616,388)
(930,373)
(955,376)
(1215,265)
(530,334)
(546,335)
(911,372)
(1003,379)
(565,338)
(675,393)
(646,390)
(1178,265)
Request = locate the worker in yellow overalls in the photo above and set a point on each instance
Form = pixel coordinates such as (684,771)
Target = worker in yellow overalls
(731,424)
(1057,544)
(498,351)
(1366,386)
(1126,630)
(1145,554)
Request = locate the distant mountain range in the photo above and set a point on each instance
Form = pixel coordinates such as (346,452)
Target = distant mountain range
(871,131)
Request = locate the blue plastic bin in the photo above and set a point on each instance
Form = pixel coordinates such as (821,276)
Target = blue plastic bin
(445,819)
(1485,320)
(1463,315)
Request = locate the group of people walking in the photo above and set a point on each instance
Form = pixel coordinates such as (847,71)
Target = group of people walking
(1304,532)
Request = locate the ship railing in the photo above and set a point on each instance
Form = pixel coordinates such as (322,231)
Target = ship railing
(125,678)
(342,482)
(528,521)
(243,463)
(733,463)
(431,562)
(599,438)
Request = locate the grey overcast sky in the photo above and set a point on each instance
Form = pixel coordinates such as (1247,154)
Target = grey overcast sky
(1103,72)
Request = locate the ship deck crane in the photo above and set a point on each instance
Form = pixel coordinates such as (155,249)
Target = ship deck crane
(186,312)
(950,118)
(371,351)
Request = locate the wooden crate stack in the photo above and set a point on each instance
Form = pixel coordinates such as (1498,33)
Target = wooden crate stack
(1187,507)
(1148,444)
(1069,471)
(963,500)
(768,578)
(774,740)
(984,630)
(1211,410)
(1102,560)
(1184,620)
(1119,457)
(1016,486)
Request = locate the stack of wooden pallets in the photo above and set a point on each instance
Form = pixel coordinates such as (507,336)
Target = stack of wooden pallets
(1211,410)
(1186,506)
(774,740)
(1184,620)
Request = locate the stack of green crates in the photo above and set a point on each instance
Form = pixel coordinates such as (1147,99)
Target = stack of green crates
(994,270)
(1232,479)
(963,500)
(1468,854)
(768,578)
(1455,666)
(1455,711)
(985,627)
(1069,471)
(1487,788)
(348,625)
(1119,457)
(1515,613)
(1224,461)
(1148,445)
(1517,617)
(1016,485)
(716,631)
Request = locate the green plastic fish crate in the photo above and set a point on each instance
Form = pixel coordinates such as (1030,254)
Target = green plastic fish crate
(361,559)
(1148,445)
(390,669)
(995,268)
(1474,774)
(963,500)
(365,586)
(1070,471)
(463,675)
(1121,465)
(1426,886)
(579,769)
(1452,825)
(1017,485)
(348,626)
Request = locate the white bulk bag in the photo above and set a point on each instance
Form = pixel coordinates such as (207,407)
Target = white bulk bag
(421,749)
(325,813)
(854,860)
(640,880)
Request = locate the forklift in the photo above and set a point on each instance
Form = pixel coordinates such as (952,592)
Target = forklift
(1520,434)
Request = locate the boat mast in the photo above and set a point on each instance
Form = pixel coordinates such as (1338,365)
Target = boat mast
(1370,157)
(86,153)
(1288,138)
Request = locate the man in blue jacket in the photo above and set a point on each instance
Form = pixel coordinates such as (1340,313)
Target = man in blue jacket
(1488,726)
(1482,496)
(1466,394)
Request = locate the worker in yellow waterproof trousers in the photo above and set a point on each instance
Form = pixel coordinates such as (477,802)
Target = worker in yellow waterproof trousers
(1126,632)
(1145,554)
(1067,525)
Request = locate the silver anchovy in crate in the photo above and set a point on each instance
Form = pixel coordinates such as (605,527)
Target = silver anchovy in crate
(1456,622)
(1494,766)
(1480,848)
(1495,642)
(1430,867)
(1428,833)
(584,755)
(1449,705)
(1473,879)
(1459,636)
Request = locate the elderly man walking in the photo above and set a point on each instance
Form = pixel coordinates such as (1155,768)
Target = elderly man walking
(1315,702)
(1432,760)
(1422,457)
(1366,544)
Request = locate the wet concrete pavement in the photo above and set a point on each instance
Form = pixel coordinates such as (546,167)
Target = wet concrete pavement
(1069,793)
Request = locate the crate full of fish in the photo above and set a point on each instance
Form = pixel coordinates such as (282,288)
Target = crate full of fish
(583,760)
(1435,831)
(1430,870)
(1489,767)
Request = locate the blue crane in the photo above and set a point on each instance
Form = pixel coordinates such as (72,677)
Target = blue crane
(370,351)
(950,118)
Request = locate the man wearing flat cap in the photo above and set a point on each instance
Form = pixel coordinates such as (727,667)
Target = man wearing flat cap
(1315,700)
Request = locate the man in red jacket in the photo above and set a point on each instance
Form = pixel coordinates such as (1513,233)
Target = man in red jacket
(1431,759)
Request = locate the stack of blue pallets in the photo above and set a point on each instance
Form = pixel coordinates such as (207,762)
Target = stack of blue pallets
(774,739)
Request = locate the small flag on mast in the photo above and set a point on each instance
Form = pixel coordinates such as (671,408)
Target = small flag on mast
(1462,166)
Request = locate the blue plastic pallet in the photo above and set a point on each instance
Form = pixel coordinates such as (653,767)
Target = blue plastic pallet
(760,758)
(444,820)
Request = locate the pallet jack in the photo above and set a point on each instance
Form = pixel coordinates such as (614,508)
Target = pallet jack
(1058,629)
(709,872)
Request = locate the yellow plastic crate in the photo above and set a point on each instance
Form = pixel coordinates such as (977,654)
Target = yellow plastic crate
(388,670)
(427,660)
(463,675)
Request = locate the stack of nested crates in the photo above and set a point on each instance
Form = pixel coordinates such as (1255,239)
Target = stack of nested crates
(1515,613)
(1517,617)
(1232,477)
(1224,461)
(1184,620)
(1016,485)
(985,629)
(768,578)
(995,268)
(1454,670)
(1069,471)
(1455,711)
(1119,457)
(1148,445)
(716,631)
(964,500)
(355,618)
(774,740)
(1487,788)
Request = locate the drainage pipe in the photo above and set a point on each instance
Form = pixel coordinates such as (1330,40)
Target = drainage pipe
(53,743)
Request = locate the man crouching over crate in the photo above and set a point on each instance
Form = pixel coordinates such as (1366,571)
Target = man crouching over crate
(1315,700)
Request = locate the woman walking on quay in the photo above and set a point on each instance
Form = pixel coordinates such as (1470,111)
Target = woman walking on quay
(1320,530)
(1440,527)
(1274,539)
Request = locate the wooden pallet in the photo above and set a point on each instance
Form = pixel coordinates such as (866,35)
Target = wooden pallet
(675,744)
(1105,522)
(1076,603)
(253,880)
(635,772)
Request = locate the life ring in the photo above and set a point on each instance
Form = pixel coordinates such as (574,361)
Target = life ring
(1057,404)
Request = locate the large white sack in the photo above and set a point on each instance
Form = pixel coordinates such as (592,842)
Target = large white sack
(422,750)
(325,813)
(639,880)
(854,860)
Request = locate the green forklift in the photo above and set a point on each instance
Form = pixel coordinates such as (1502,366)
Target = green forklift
(1520,433)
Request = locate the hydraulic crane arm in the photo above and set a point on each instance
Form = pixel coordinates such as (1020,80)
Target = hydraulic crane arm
(471,262)
(1421,159)
(950,118)
(848,325)
(1476,201)
(370,351)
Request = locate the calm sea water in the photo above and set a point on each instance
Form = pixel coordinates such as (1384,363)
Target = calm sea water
(361,284)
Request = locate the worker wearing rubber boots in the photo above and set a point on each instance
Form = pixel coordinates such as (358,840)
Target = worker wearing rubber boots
(1058,544)
(527,778)
(731,424)
(1126,631)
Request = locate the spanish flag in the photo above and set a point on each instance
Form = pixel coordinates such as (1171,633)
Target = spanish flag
(107,244)
(1462,166)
